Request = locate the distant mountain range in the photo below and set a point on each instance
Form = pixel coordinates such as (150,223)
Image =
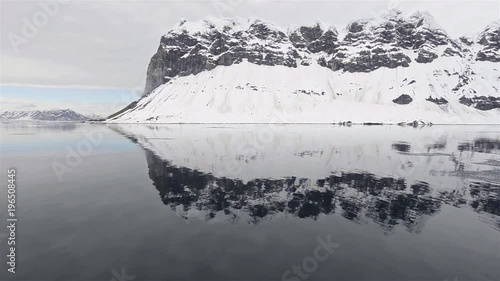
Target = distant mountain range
(48,115)
(391,69)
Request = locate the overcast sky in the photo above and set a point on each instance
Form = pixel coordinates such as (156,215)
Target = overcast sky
(108,44)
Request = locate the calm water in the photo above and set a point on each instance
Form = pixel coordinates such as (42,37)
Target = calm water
(135,202)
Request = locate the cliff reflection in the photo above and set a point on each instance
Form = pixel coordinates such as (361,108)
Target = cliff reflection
(356,196)
(186,171)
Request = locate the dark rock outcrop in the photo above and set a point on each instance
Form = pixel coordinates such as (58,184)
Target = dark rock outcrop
(482,102)
(426,56)
(368,45)
(489,40)
(183,52)
(438,101)
(403,99)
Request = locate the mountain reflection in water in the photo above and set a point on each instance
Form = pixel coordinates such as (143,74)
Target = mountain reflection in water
(390,176)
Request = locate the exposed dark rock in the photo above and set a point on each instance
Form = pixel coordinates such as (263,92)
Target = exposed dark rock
(488,104)
(367,46)
(355,27)
(488,55)
(308,92)
(463,79)
(218,47)
(311,33)
(489,39)
(466,101)
(327,43)
(263,31)
(366,61)
(426,56)
(482,102)
(182,53)
(449,52)
(403,99)
(466,41)
(437,101)
(130,106)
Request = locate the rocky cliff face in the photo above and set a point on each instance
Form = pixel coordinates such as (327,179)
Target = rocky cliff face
(391,69)
(489,40)
(194,47)
(394,40)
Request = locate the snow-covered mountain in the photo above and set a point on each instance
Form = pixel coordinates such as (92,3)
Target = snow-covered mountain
(47,115)
(389,69)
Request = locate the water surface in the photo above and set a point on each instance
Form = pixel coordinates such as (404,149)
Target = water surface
(193,202)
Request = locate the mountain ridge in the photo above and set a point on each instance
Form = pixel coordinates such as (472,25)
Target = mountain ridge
(47,115)
(450,73)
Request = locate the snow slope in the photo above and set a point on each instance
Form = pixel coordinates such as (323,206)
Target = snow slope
(250,93)
(391,69)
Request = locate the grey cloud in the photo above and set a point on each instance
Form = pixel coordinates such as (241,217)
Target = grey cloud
(109,43)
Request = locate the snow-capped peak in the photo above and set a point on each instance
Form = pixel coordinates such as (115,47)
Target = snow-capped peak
(221,25)
(319,25)
(404,67)
(425,20)
(492,28)
(391,14)
(419,19)
(494,25)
